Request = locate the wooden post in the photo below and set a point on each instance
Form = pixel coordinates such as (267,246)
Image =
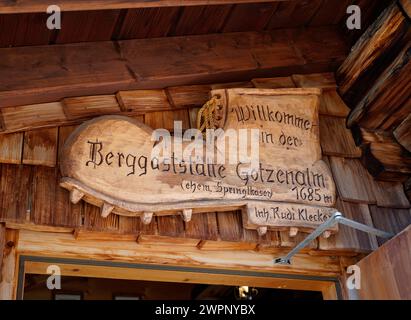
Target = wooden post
(8,263)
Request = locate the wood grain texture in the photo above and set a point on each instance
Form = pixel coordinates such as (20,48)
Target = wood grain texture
(202,226)
(389,219)
(403,133)
(146,23)
(353,181)
(90,106)
(316,80)
(197,95)
(61,71)
(387,161)
(392,88)
(331,104)
(40,147)
(273,83)
(230,226)
(27,117)
(249,17)
(65,245)
(168,203)
(392,279)
(141,101)
(94,222)
(11,148)
(8,271)
(85,26)
(376,41)
(293,14)
(336,139)
(79,5)
(66,214)
(201,20)
(15,192)
(2,244)
(349,239)
(107,67)
(44,195)
(391,195)
(24,29)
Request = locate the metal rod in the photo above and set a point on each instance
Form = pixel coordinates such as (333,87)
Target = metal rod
(364,227)
(321,228)
(336,218)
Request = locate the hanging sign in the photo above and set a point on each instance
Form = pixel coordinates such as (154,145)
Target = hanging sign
(261,154)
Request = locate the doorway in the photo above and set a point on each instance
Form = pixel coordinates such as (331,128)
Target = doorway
(106,280)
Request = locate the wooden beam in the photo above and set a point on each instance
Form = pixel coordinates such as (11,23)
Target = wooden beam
(25,6)
(105,67)
(327,288)
(66,246)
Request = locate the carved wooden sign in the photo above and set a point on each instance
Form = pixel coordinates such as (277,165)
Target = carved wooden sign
(109,162)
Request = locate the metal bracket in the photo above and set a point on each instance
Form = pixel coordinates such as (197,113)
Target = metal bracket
(332,221)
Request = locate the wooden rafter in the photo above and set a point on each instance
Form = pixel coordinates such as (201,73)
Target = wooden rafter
(25,6)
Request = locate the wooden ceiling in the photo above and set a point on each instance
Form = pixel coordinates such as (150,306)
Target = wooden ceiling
(136,20)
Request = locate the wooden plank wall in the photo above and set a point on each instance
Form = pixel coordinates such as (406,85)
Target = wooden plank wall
(29,175)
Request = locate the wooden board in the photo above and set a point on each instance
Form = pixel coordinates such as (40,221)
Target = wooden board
(391,280)
(331,104)
(29,116)
(66,213)
(63,71)
(389,219)
(146,23)
(90,106)
(336,139)
(141,101)
(391,195)
(349,239)
(44,195)
(201,19)
(15,192)
(40,147)
(11,148)
(96,25)
(120,196)
(353,181)
(249,17)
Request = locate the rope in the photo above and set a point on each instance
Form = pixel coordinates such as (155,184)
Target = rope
(206,116)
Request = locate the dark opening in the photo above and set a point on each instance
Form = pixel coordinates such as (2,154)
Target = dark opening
(82,288)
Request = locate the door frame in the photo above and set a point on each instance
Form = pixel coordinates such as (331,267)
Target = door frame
(31,264)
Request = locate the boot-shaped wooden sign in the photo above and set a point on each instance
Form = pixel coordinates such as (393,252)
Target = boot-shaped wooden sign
(259,151)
